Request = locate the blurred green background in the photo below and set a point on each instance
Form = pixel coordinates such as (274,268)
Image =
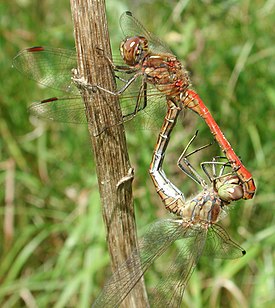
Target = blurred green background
(52,242)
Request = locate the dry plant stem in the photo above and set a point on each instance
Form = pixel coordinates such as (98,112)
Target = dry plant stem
(8,224)
(111,157)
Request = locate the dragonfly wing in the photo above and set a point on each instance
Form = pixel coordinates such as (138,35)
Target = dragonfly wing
(63,109)
(219,244)
(72,110)
(169,291)
(50,67)
(154,243)
(130,27)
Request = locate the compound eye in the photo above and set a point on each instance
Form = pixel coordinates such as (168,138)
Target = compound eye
(132,50)
(230,192)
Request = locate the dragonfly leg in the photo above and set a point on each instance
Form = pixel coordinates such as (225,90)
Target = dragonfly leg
(139,106)
(215,165)
(190,170)
(123,89)
(82,83)
(227,184)
(124,69)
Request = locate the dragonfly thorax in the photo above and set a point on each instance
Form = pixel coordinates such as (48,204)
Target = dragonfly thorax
(166,73)
(204,207)
(133,50)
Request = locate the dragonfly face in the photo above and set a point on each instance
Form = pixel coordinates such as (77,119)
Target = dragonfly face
(134,49)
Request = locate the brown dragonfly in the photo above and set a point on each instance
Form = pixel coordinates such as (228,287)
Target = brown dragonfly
(196,231)
(153,71)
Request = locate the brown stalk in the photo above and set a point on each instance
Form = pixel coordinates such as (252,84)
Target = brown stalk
(109,146)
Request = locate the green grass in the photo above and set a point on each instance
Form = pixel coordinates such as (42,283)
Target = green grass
(52,243)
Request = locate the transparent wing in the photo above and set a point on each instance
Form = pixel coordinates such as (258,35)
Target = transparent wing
(213,242)
(72,110)
(169,291)
(50,67)
(154,243)
(130,26)
(61,109)
(219,244)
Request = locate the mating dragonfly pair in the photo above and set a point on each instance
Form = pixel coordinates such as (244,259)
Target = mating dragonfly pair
(153,72)
(195,229)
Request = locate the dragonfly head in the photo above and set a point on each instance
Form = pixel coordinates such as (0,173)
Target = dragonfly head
(133,50)
(229,188)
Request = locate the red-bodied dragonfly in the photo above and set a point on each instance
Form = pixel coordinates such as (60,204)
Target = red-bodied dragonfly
(195,229)
(152,69)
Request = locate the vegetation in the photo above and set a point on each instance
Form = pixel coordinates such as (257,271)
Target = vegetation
(52,242)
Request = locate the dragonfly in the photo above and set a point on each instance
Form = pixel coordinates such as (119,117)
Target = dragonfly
(150,71)
(195,228)
(170,195)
